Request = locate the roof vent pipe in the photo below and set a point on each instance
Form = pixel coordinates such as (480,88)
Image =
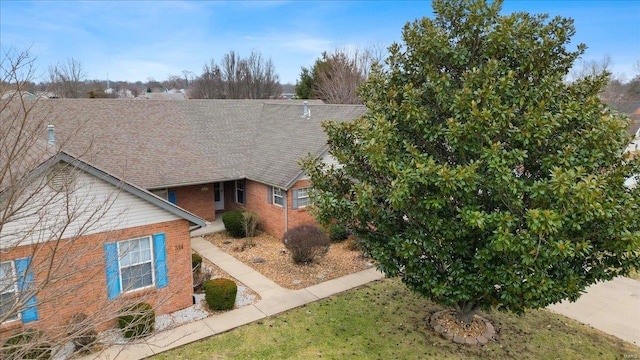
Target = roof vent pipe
(52,139)
(306,113)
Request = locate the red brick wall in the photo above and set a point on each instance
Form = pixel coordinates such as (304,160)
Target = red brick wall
(272,217)
(197,199)
(299,216)
(77,281)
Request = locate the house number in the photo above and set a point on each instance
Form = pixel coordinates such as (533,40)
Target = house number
(178,247)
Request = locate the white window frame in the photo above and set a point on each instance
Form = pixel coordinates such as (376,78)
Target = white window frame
(277,193)
(12,288)
(151,261)
(240,189)
(304,199)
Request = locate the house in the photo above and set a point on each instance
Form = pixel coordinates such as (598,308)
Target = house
(634,131)
(206,156)
(75,239)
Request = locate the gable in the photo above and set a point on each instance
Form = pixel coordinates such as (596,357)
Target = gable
(85,205)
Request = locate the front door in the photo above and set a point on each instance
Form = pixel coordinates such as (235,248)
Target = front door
(218,194)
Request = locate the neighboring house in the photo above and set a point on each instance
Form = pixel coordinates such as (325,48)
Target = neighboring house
(163,96)
(634,130)
(206,156)
(87,242)
(24,94)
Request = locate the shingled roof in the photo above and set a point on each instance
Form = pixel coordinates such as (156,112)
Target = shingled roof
(158,144)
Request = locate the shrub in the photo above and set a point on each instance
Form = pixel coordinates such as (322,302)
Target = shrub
(250,223)
(220,294)
(29,344)
(196,262)
(234,223)
(199,277)
(338,233)
(305,243)
(82,333)
(137,320)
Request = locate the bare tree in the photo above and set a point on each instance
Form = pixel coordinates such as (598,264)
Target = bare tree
(67,78)
(336,76)
(209,85)
(250,78)
(55,220)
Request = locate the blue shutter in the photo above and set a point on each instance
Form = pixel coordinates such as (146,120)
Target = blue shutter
(172,197)
(270,194)
(295,198)
(160,257)
(113,271)
(25,284)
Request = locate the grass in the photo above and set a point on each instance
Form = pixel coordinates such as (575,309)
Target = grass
(384,320)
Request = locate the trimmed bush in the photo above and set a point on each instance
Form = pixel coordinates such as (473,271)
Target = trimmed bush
(82,333)
(220,294)
(234,223)
(137,320)
(29,344)
(338,233)
(306,243)
(196,262)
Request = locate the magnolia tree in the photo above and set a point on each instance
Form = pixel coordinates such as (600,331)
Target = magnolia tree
(48,264)
(478,175)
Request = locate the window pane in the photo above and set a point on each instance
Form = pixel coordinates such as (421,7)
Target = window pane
(6,276)
(7,304)
(136,277)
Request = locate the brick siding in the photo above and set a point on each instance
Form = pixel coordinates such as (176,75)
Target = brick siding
(79,278)
(197,199)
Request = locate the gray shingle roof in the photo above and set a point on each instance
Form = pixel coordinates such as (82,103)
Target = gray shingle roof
(156,143)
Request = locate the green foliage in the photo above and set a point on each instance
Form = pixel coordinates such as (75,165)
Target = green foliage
(304,87)
(82,333)
(137,320)
(306,243)
(28,344)
(220,294)
(338,233)
(478,175)
(234,223)
(196,262)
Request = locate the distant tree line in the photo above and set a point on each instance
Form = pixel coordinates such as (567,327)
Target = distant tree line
(237,78)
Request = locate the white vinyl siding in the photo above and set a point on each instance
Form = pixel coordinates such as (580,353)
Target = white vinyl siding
(97,206)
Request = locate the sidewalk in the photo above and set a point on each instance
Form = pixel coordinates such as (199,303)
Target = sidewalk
(612,307)
(275,299)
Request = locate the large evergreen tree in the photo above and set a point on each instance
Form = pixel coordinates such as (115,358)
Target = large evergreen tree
(478,175)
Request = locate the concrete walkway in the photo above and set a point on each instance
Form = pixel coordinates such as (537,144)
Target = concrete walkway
(612,307)
(274,300)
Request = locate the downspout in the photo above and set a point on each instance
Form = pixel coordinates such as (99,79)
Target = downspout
(286,211)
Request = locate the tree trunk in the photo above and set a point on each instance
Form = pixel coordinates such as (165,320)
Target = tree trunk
(465,311)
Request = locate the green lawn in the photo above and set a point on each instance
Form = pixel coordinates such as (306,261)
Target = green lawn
(384,320)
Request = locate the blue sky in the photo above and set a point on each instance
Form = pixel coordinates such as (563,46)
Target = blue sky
(133,41)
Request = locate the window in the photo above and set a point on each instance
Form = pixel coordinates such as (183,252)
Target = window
(136,264)
(301,197)
(9,289)
(16,280)
(278,197)
(240,191)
